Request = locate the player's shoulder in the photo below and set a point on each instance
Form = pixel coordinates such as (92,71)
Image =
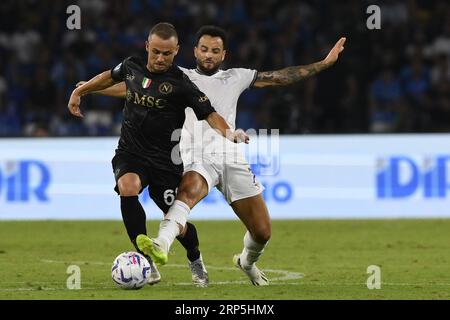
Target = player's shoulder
(185,70)
(238,72)
(176,72)
(190,74)
(183,74)
(134,61)
(180,72)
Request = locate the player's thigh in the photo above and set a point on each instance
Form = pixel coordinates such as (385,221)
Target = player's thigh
(204,171)
(253,212)
(237,181)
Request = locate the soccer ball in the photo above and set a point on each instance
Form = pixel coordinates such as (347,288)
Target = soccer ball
(130,270)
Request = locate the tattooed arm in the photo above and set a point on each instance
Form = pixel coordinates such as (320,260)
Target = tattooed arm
(291,75)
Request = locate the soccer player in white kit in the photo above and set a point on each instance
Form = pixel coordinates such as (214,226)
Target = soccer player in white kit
(225,169)
(216,163)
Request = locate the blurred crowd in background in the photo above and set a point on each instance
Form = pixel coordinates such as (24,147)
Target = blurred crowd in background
(396,79)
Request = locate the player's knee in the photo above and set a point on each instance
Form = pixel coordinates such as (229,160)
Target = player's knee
(192,189)
(190,193)
(188,196)
(129,188)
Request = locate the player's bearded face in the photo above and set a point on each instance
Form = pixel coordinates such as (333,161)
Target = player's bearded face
(161,53)
(209,53)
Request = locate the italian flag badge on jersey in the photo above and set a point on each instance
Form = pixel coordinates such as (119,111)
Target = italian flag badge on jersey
(146,83)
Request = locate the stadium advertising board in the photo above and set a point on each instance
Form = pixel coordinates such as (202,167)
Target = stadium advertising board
(345,176)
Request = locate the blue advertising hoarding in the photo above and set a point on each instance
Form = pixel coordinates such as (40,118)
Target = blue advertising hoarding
(305,177)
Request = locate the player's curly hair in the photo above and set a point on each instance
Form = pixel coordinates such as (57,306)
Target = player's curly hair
(213,31)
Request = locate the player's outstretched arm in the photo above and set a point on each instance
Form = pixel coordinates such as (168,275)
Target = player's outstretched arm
(99,82)
(216,121)
(294,74)
(118,90)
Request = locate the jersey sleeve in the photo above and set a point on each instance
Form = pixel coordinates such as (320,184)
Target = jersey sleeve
(197,100)
(118,72)
(246,77)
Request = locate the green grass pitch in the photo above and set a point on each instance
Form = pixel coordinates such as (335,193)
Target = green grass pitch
(305,259)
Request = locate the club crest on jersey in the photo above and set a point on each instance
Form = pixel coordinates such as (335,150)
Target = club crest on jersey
(203,99)
(165,88)
(146,83)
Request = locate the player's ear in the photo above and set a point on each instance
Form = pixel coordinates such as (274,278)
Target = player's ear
(224,53)
(176,50)
(146,45)
(195,52)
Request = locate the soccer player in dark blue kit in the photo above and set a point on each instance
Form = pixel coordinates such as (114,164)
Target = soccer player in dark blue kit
(157,93)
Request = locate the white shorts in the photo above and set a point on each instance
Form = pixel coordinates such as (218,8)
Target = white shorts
(235,180)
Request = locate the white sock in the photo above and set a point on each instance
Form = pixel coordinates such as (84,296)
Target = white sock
(170,229)
(251,252)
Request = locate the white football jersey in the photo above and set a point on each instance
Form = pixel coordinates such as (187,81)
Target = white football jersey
(223,90)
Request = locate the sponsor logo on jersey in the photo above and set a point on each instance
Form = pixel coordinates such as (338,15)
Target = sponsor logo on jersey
(224,79)
(130,77)
(148,101)
(165,88)
(146,83)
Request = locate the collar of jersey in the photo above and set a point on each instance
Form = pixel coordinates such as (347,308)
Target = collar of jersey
(205,74)
(171,68)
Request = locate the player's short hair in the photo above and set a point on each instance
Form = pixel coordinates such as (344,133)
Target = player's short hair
(212,31)
(164,30)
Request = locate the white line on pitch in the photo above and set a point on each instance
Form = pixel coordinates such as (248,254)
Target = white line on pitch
(285,275)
